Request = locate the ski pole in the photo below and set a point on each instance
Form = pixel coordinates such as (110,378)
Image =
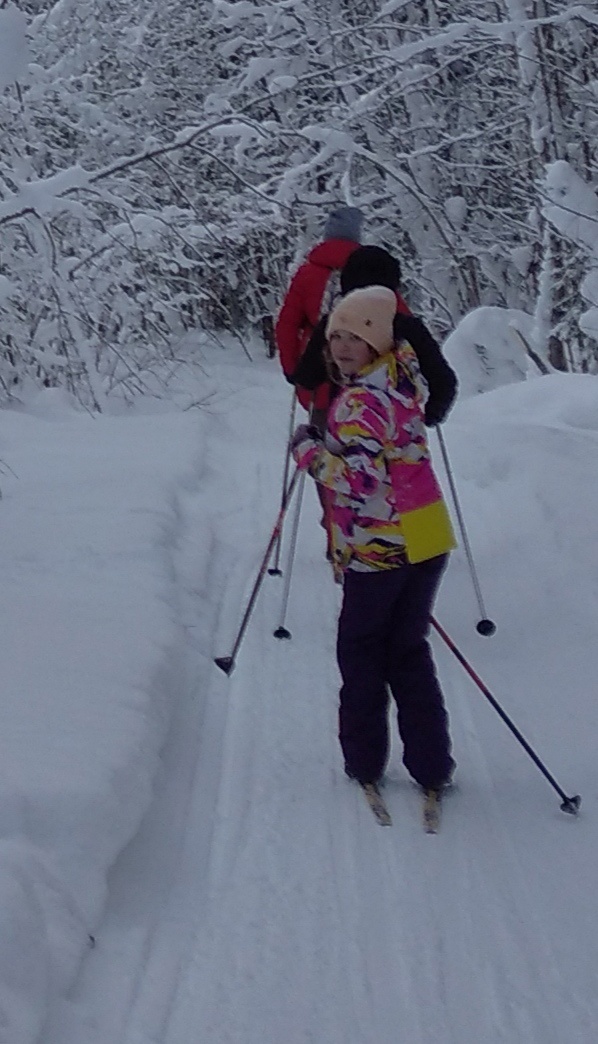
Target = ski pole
(227,663)
(484,625)
(281,631)
(569,804)
(275,571)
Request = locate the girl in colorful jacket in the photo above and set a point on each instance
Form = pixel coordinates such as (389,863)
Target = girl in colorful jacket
(391,537)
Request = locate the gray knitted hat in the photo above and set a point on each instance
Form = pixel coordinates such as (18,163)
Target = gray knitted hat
(344,223)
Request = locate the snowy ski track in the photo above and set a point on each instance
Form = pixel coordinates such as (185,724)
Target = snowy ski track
(261,903)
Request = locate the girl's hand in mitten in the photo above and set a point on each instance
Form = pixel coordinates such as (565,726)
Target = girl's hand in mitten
(305,443)
(305,433)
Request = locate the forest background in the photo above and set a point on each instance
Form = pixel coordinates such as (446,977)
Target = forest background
(164,166)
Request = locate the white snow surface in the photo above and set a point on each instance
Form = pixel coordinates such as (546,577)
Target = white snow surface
(199,826)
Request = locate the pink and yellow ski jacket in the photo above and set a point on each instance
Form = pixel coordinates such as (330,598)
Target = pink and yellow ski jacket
(386,504)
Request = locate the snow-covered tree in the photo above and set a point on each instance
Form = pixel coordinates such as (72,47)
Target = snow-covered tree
(162,168)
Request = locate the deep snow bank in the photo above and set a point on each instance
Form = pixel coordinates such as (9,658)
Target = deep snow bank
(90,645)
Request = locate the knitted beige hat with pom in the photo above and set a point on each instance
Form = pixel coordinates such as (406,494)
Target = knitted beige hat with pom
(368,313)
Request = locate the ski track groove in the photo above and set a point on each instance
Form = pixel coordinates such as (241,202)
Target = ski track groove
(268,815)
(150,1004)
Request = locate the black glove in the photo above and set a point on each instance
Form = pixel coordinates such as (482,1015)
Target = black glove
(310,372)
(435,413)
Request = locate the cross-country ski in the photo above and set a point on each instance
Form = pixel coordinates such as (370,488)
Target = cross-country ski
(431,811)
(377,803)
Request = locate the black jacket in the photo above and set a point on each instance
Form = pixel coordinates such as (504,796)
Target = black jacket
(440,378)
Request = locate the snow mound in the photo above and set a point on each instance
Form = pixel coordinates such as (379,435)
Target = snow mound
(485,350)
(91,646)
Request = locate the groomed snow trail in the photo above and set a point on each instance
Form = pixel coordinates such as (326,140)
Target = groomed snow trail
(261,903)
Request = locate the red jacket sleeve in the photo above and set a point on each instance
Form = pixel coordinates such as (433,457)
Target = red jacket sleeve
(402,306)
(292,324)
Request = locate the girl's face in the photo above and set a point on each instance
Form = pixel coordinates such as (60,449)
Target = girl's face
(349,352)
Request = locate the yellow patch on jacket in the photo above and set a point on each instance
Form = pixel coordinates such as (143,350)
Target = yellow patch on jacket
(428,532)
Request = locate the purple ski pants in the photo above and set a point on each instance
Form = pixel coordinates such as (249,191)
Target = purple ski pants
(382,644)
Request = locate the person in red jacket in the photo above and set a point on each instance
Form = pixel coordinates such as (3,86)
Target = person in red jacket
(306,297)
(369,266)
